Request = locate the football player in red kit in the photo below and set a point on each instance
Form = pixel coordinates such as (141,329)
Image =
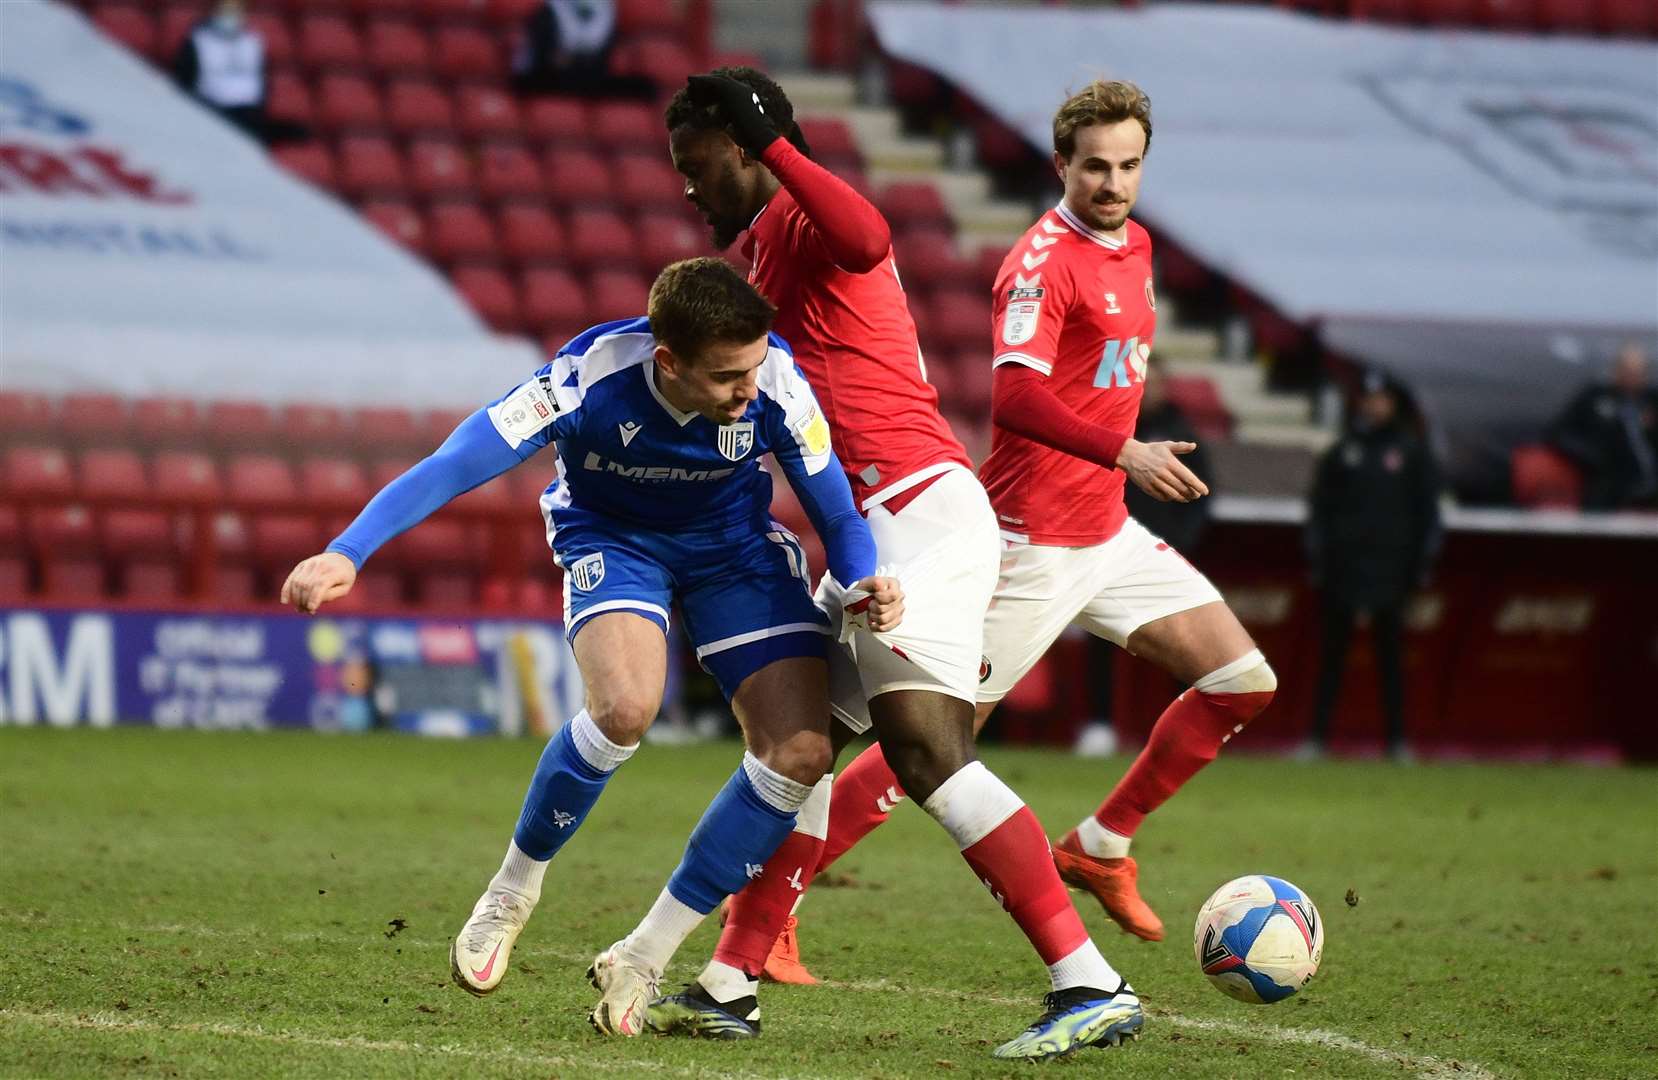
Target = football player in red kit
(1075,317)
(823,255)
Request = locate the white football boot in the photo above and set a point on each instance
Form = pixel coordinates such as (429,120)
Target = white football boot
(478,956)
(628,988)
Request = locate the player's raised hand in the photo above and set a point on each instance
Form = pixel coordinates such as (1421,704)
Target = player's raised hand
(883,607)
(318,580)
(1157,471)
(739,107)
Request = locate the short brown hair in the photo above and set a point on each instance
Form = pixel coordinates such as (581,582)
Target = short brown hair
(1100,102)
(695,303)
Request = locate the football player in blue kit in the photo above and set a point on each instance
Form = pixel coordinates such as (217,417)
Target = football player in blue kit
(659,425)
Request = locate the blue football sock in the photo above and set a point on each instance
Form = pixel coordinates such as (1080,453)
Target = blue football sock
(737,834)
(563,790)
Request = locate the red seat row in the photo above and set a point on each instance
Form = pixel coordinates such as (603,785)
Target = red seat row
(550,301)
(531,234)
(1631,18)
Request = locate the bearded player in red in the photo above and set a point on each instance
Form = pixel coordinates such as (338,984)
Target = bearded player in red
(1075,316)
(823,255)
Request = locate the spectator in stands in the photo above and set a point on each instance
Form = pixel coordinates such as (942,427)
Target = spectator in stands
(566,49)
(1610,431)
(1182,524)
(1372,532)
(221,63)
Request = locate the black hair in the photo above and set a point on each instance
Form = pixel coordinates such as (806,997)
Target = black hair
(683,112)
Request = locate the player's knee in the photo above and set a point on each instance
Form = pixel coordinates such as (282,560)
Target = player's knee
(803,759)
(1248,680)
(623,718)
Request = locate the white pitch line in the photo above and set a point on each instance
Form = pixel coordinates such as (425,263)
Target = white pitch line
(1423,1066)
(108,1022)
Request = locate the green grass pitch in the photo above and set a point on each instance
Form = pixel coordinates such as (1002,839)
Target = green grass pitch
(194,905)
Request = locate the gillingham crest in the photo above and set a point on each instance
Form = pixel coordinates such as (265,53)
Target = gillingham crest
(736,440)
(587,571)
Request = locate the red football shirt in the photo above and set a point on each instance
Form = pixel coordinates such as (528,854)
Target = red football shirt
(853,337)
(1078,307)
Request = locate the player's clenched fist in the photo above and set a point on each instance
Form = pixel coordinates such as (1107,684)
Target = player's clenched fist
(883,607)
(1156,470)
(318,580)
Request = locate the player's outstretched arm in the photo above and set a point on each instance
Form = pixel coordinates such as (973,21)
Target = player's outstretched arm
(1157,470)
(319,580)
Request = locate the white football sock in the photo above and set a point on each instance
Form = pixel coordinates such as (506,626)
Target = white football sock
(1084,966)
(726,983)
(520,874)
(1101,842)
(661,932)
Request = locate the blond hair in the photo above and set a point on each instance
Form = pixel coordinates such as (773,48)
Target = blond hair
(1100,102)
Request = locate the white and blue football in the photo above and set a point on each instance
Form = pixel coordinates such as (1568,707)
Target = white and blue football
(1259,939)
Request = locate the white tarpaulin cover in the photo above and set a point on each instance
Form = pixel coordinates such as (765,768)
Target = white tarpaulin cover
(1413,193)
(148,247)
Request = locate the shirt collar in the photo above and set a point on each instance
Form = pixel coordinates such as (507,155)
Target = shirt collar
(1089,231)
(680,418)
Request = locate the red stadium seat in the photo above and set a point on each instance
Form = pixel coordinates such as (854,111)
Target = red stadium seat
(333,482)
(328,41)
(445,10)
(1200,400)
(530,233)
(232,535)
(648,180)
(914,204)
(927,260)
(112,474)
(512,13)
(375,9)
(558,120)
(627,125)
(553,298)
(308,426)
(960,318)
(494,497)
(414,105)
(1507,14)
(987,265)
(24,414)
(240,423)
(93,418)
(600,238)
(385,428)
(11,530)
(176,23)
(487,111)
(507,171)
(439,167)
(312,162)
(393,46)
(279,40)
(438,424)
(152,581)
(185,476)
(491,295)
(618,294)
(37,472)
(462,52)
(1567,16)
(1627,18)
(262,478)
(1000,148)
(123,534)
(61,530)
(446,590)
(14,579)
(370,164)
(288,97)
(399,220)
(1396,11)
(347,101)
(384,470)
(130,25)
(436,542)
(281,540)
(72,579)
(665,238)
(458,230)
(830,137)
(166,420)
(640,17)
(1446,12)
(1542,477)
(578,178)
(664,61)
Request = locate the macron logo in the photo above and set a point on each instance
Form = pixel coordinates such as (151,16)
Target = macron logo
(628,430)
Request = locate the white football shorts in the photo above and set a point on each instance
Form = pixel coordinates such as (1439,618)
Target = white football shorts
(1109,589)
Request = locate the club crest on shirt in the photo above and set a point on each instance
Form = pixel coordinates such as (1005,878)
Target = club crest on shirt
(587,571)
(736,440)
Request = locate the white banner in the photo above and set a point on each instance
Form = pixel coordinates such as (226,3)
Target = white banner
(1344,169)
(148,247)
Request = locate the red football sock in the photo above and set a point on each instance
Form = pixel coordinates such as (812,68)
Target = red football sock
(864,794)
(1185,738)
(755,916)
(1004,844)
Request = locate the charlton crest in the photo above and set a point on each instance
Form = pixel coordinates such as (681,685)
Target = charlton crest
(736,440)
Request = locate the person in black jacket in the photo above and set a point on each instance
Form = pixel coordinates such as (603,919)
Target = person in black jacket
(1610,431)
(566,49)
(1372,531)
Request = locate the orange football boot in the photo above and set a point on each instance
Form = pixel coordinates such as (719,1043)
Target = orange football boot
(783,962)
(1111,882)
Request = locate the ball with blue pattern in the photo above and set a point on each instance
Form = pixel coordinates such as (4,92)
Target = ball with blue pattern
(1259,939)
